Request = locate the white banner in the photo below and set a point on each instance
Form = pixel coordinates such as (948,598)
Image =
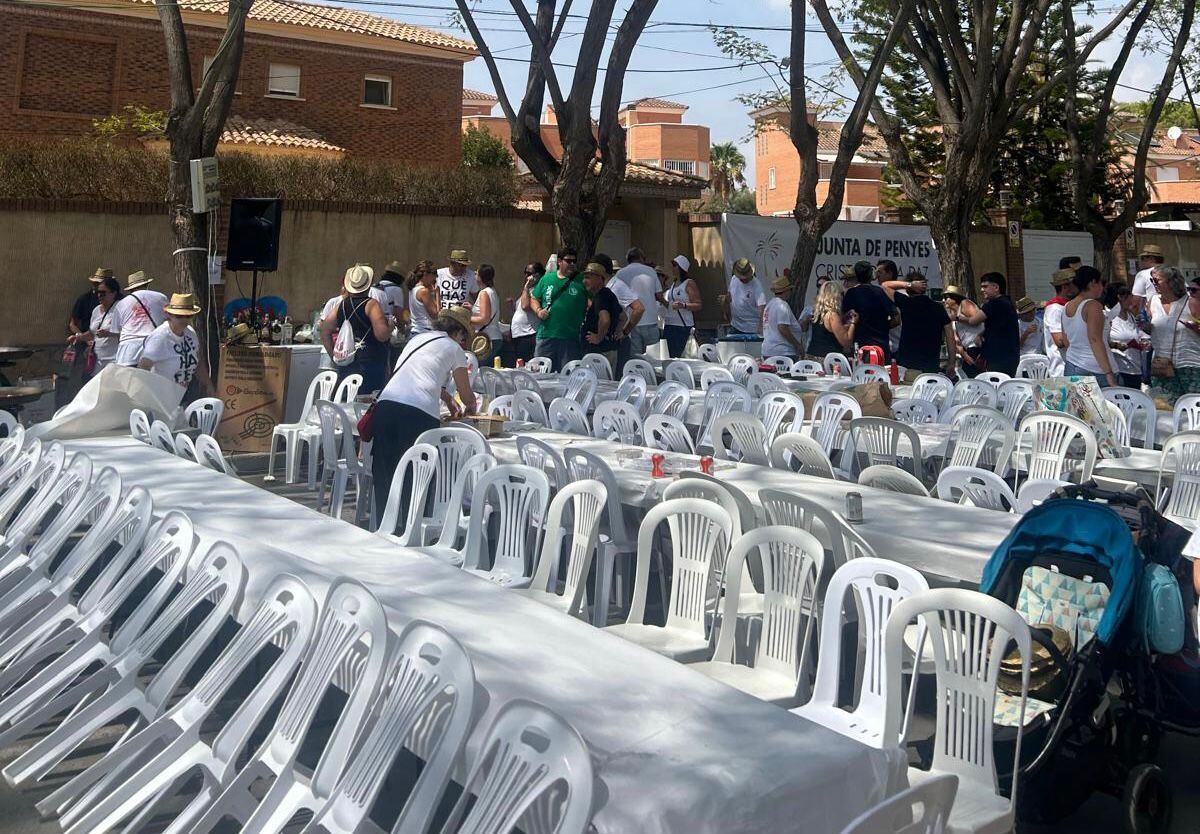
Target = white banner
(770,241)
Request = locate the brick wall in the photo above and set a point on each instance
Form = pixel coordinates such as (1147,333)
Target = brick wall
(61,69)
(773,149)
(659,142)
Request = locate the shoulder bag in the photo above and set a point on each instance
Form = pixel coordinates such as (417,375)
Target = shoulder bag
(1161,366)
(366,423)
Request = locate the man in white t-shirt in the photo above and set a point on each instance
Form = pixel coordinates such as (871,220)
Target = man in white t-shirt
(1029,329)
(1143,282)
(642,280)
(456,282)
(391,287)
(1055,341)
(745,298)
(173,350)
(781,331)
(632,311)
(135,316)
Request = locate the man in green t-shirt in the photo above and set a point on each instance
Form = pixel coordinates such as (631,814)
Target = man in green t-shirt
(559,301)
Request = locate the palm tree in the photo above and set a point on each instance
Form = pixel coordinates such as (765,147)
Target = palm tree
(728,169)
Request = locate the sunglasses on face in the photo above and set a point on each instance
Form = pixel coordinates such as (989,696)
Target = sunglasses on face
(1192,290)
(567,260)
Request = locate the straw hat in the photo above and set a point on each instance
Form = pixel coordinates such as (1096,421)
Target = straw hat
(1062,277)
(395,268)
(481,345)
(1150,249)
(781,284)
(743,268)
(241,333)
(1025,304)
(358,279)
(100,274)
(460,256)
(597,268)
(182,304)
(954,292)
(137,280)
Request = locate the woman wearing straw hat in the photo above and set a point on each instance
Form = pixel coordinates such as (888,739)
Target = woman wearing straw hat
(781,331)
(173,349)
(371,329)
(411,400)
(136,316)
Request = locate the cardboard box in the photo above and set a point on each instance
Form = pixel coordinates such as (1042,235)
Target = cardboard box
(253,384)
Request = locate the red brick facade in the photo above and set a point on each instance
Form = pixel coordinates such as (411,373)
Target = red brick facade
(60,69)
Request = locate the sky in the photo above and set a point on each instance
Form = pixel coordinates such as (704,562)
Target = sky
(681,62)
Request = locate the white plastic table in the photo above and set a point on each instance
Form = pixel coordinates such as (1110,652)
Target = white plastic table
(673,750)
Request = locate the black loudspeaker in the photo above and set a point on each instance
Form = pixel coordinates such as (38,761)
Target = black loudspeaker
(253,234)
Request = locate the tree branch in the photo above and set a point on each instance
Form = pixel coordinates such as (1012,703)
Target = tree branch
(541,53)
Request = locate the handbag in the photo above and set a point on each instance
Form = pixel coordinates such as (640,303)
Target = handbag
(1162,366)
(366,423)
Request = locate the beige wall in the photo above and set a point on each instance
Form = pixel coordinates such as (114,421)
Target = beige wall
(1181,249)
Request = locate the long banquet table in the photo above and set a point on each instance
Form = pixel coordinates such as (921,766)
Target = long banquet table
(673,750)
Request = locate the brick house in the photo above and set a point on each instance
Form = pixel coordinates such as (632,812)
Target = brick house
(777,166)
(314,79)
(1172,171)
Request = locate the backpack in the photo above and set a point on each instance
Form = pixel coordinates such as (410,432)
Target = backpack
(345,346)
(1159,617)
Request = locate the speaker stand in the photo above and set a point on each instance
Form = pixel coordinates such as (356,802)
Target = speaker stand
(253,291)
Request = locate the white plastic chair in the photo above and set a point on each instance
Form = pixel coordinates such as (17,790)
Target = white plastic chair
(973,392)
(632,390)
(1036,490)
(780,412)
(587,501)
(969,633)
(1033,366)
(831,528)
(419,465)
(1140,413)
(829,415)
(426,706)
(720,399)
(455,445)
(208,453)
(531,761)
(1186,414)
(880,440)
(913,411)
(795,452)
(760,385)
(307,431)
(871,588)
(545,458)
(807,367)
(185,448)
(923,809)
(708,352)
(139,426)
(528,406)
(8,424)
(982,437)
(642,368)
(673,400)
(667,434)
(540,365)
(161,437)
(1014,398)
(836,364)
(570,367)
(568,416)
(349,648)
(936,388)
(581,387)
(893,479)
(619,421)
(1044,441)
(494,383)
(340,464)
(680,372)
(523,380)
(782,364)
(993,378)
(146,770)
(452,530)
(748,438)
(791,564)
(1181,458)
(502,406)
(696,529)
(975,487)
(741,366)
(205,414)
(598,364)
(715,374)
(870,373)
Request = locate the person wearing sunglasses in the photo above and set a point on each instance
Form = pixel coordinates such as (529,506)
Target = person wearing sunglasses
(1174,334)
(560,301)
(100,338)
(523,329)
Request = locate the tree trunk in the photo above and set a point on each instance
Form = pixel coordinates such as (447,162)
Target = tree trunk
(191,266)
(952,237)
(1102,254)
(804,257)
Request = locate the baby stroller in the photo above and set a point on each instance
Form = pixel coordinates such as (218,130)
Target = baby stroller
(1074,568)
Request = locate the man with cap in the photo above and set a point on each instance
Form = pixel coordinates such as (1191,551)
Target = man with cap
(1143,287)
(745,298)
(926,325)
(456,282)
(391,285)
(782,334)
(1029,332)
(602,321)
(135,317)
(559,301)
(639,277)
(875,310)
(1054,341)
(173,349)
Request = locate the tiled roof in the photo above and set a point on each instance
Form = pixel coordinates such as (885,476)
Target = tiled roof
(331,18)
(476,95)
(1179,193)
(278,132)
(872,147)
(657,103)
(642,173)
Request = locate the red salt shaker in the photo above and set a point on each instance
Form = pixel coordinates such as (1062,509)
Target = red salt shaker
(656,462)
(706,464)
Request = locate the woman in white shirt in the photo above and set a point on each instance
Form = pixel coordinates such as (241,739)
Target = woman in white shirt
(683,302)
(1083,325)
(485,312)
(410,402)
(1125,336)
(424,304)
(523,330)
(1175,335)
(781,331)
(969,336)
(102,333)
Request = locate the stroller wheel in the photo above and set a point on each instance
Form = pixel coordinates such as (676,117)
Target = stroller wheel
(1147,799)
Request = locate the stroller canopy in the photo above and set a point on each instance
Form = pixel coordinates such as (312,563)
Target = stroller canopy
(1077,528)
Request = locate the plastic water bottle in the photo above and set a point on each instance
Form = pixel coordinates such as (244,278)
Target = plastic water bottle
(497,364)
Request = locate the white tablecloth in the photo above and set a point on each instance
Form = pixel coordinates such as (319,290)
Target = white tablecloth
(673,750)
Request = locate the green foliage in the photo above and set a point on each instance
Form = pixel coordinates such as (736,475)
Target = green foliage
(740,201)
(728,166)
(133,122)
(102,171)
(1175,112)
(480,149)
